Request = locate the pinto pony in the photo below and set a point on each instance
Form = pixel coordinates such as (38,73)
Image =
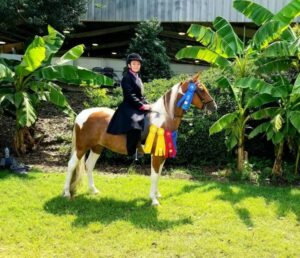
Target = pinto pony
(89,133)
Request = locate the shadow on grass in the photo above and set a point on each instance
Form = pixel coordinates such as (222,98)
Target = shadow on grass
(8,174)
(285,200)
(107,210)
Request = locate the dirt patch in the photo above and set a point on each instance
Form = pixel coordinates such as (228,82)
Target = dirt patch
(55,129)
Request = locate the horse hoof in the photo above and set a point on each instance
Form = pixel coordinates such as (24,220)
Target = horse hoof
(155,203)
(66,195)
(94,191)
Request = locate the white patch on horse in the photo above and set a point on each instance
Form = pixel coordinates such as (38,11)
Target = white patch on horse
(159,110)
(73,162)
(154,193)
(84,115)
(90,164)
(158,114)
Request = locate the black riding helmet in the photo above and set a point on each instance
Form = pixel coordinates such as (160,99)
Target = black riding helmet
(133,57)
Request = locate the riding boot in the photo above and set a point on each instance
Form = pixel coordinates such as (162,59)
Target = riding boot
(133,138)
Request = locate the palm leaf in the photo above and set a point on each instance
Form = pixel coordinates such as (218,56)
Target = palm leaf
(259,129)
(73,74)
(269,112)
(282,49)
(257,13)
(202,34)
(296,88)
(231,141)
(267,33)
(223,82)
(6,74)
(53,42)
(55,95)
(224,122)
(289,12)
(254,84)
(259,100)
(71,55)
(294,117)
(33,58)
(26,114)
(281,91)
(278,137)
(272,65)
(231,44)
(203,54)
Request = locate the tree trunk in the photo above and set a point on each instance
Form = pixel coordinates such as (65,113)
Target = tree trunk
(23,141)
(277,167)
(240,152)
(297,160)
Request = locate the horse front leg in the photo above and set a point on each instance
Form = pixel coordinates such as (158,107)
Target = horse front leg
(157,164)
(90,164)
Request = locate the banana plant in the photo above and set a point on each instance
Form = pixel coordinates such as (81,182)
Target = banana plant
(275,58)
(282,120)
(224,49)
(234,124)
(25,85)
(272,27)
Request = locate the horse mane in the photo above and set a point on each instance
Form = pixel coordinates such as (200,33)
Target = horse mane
(169,101)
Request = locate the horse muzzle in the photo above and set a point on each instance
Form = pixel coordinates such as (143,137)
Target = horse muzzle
(211,107)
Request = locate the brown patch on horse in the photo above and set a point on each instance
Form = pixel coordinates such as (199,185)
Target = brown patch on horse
(157,161)
(93,135)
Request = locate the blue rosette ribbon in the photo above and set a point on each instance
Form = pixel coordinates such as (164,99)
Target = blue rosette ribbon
(187,98)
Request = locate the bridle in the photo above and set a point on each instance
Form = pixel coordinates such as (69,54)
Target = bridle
(198,92)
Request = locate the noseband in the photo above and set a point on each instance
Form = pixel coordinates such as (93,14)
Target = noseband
(198,92)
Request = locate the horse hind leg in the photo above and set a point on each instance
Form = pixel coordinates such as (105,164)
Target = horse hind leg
(72,164)
(90,164)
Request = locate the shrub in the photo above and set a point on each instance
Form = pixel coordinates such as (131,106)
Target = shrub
(156,63)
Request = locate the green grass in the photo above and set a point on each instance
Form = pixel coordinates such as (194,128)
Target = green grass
(195,219)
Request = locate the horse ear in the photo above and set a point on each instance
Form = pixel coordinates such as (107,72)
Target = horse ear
(196,77)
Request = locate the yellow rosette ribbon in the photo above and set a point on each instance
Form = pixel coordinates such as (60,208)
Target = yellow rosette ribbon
(150,139)
(160,144)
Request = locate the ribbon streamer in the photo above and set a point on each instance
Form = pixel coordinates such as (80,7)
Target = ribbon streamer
(187,98)
(170,148)
(174,140)
(150,139)
(160,143)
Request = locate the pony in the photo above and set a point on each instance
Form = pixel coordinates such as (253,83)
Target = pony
(89,134)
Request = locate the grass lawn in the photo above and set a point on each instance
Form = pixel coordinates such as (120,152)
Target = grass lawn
(195,219)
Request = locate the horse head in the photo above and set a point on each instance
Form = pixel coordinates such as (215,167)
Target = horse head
(201,99)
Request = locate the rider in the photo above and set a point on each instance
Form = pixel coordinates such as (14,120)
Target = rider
(129,117)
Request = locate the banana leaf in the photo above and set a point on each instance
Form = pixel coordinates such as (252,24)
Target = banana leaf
(224,122)
(33,58)
(72,74)
(231,44)
(257,13)
(71,55)
(204,54)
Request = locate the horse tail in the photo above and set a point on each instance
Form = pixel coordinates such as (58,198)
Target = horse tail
(80,167)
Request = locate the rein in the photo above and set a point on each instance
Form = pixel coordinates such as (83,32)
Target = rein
(157,112)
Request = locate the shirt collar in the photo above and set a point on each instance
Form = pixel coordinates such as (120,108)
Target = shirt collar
(135,74)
